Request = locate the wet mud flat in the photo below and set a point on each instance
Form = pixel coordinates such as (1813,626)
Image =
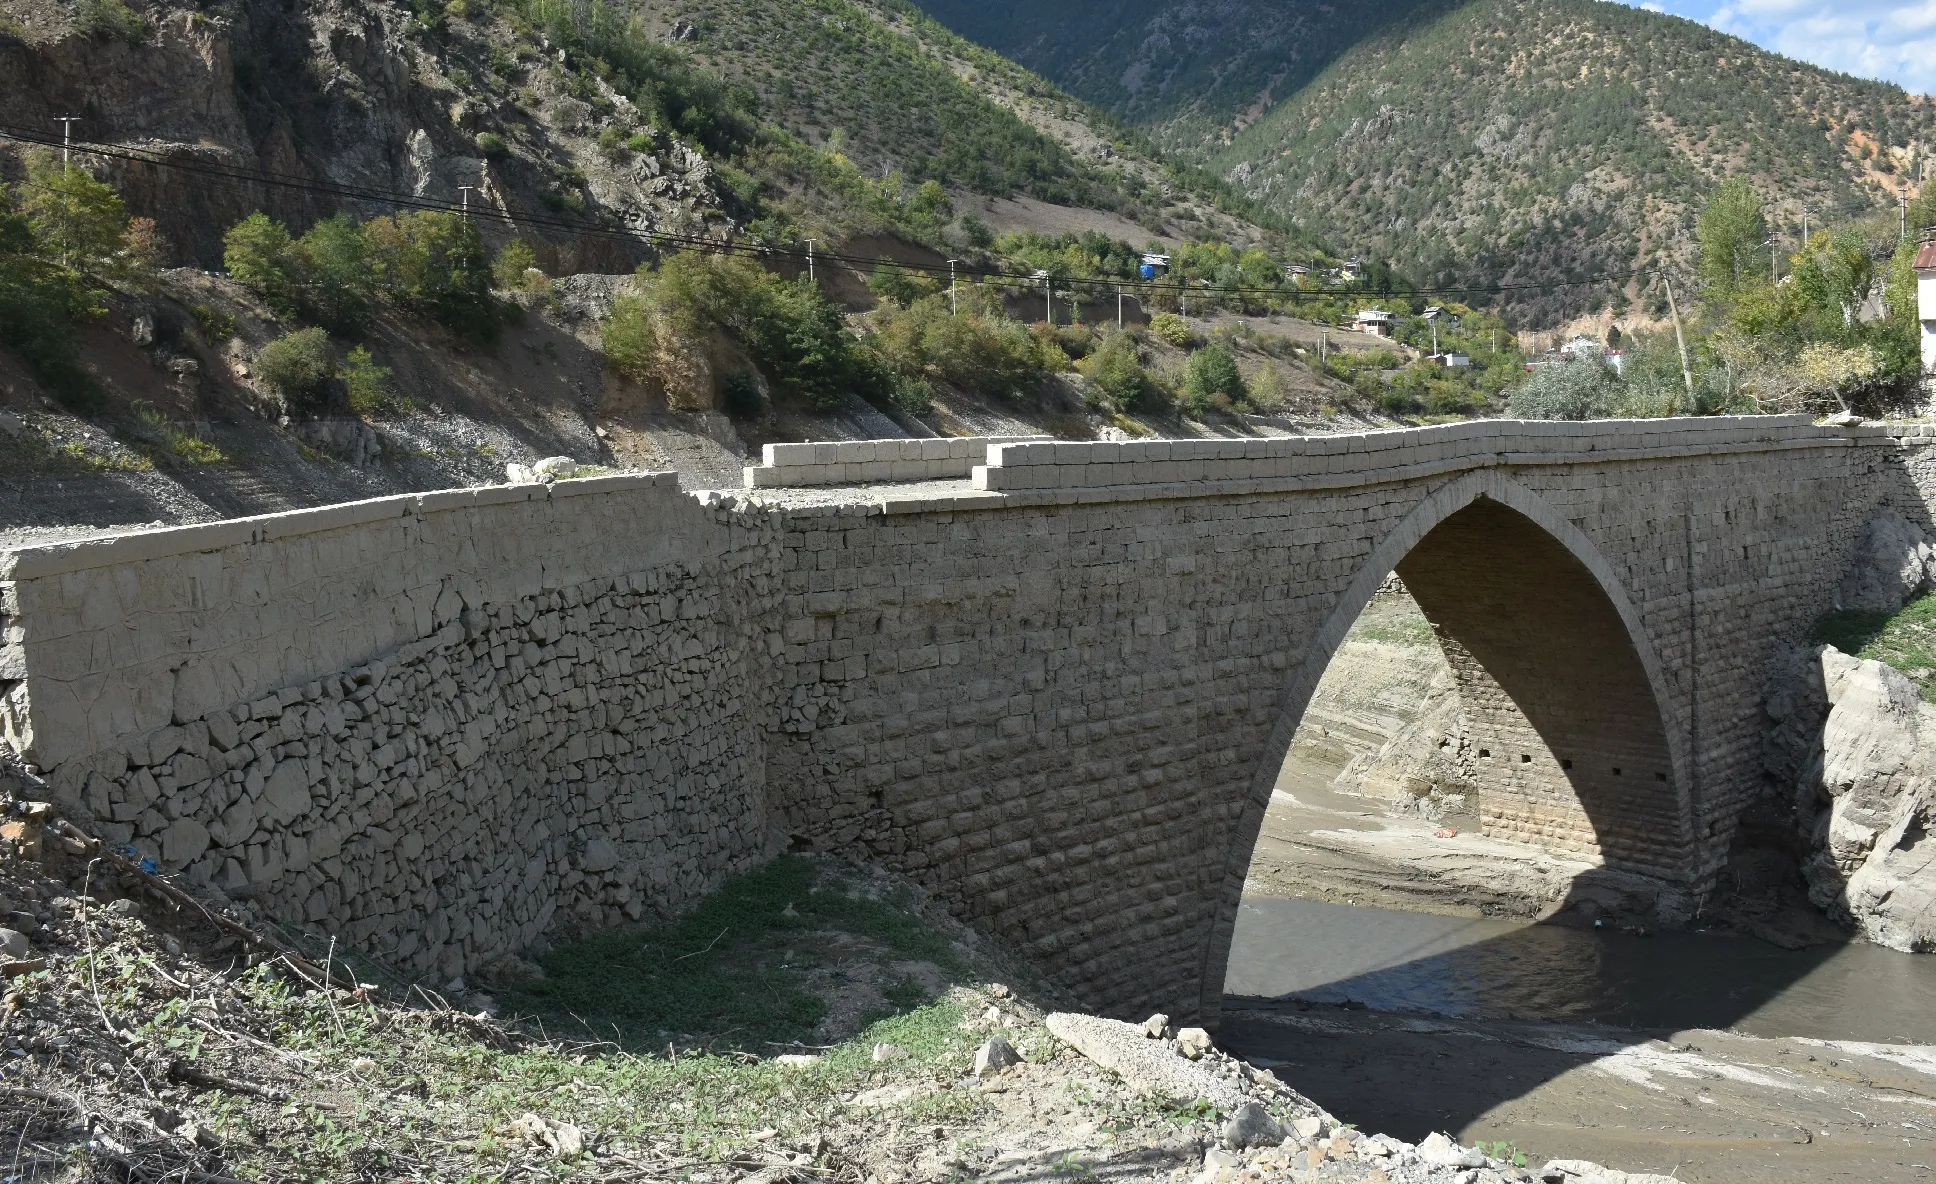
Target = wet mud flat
(1697,1104)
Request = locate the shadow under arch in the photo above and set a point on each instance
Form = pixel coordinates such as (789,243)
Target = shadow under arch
(1561,685)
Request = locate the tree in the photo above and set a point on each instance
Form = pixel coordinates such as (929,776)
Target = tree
(513,265)
(333,265)
(298,368)
(1212,379)
(433,263)
(82,221)
(1834,273)
(256,253)
(1582,389)
(1731,231)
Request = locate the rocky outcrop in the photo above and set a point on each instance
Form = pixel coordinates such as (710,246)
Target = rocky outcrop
(1856,746)
(1894,561)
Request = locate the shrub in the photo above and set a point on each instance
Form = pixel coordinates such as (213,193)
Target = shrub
(992,355)
(510,270)
(898,285)
(1171,328)
(369,386)
(256,253)
(39,303)
(742,395)
(110,18)
(493,146)
(1212,380)
(331,263)
(82,222)
(1116,375)
(1566,390)
(298,368)
(433,263)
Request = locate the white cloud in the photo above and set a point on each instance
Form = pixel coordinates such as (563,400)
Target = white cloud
(1884,39)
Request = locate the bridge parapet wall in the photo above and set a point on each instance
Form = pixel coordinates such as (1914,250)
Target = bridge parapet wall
(1395,454)
(448,724)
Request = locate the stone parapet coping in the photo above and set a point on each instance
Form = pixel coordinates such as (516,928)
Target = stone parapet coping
(52,559)
(854,462)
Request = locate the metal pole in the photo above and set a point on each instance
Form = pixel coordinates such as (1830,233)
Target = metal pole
(465,191)
(67,123)
(1119,310)
(954,302)
(1048,299)
(810,278)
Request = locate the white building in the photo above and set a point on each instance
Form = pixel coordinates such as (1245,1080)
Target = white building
(1926,301)
(1373,320)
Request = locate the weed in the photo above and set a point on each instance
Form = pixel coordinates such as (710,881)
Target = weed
(1905,640)
(216,327)
(1503,1151)
(162,435)
(730,974)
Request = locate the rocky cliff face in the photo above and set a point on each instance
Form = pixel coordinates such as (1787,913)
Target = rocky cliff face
(346,93)
(1855,745)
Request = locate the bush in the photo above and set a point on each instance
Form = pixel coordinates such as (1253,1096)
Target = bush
(492,146)
(256,253)
(369,386)
(742,395)
(332,265)
(1212,381)
(1567,390)
(992,355)
(82,221)
(298,368)
(1171,328)
(510,271)
(898,285)
(110,18)
(433,263)
(1116,376)
(39,303)
(791,331)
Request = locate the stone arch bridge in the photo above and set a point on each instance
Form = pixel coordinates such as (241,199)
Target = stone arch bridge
(1052,681)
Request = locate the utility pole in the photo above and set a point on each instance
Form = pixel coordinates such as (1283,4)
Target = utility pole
(1902,215)
(67,123)
(1680,339)
(1048,298)
(810,278)
(954,303)
(1804,228)
(465,191)
(1119,310)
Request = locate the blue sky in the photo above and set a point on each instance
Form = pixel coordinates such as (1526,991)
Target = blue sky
(1888,39)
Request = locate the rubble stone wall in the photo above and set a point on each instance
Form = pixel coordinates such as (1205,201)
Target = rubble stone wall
(449,726)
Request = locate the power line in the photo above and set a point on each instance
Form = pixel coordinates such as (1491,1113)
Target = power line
(370,194)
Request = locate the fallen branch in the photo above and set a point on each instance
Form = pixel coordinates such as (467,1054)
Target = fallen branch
(186,1074)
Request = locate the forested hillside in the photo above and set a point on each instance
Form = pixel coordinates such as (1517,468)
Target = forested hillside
(1495,141)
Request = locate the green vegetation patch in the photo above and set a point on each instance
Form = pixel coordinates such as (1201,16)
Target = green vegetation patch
(735,972)
(1905,640)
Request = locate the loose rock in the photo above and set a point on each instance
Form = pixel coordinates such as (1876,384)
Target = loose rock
(1251,1126)
(1194,1042)
(994,1055)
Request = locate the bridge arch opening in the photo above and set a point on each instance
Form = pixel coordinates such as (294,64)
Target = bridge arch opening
(1549,724)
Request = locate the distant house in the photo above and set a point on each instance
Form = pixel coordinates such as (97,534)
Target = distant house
(1583,346)
(1618,360)
(1926,301)
(1452,360)
(1373,320)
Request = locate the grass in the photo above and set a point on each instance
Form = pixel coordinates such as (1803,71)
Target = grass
(732,974)
(1905,640)
(30,453)
(157,435)
(1394,622)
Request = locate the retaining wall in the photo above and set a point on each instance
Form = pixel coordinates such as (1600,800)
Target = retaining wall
(445,724)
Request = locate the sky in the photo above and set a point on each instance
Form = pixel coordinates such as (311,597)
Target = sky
(1892,40)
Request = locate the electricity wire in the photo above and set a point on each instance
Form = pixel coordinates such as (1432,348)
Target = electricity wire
(755,250)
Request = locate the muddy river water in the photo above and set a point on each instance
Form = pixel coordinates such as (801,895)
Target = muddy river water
(1474,968)
(1706,1057)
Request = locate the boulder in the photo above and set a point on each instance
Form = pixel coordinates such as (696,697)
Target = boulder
(994,1055)
(1193,1043)
(1890,566)
(1251,1125)
(1441,1151)
(1148,1066)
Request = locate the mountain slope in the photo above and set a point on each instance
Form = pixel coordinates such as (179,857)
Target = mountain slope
(1515,141)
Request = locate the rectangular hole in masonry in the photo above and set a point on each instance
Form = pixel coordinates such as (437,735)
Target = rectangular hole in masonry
(1660,776)
(1525,758)
(1616,771)
(1486,752)
(1566,764)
